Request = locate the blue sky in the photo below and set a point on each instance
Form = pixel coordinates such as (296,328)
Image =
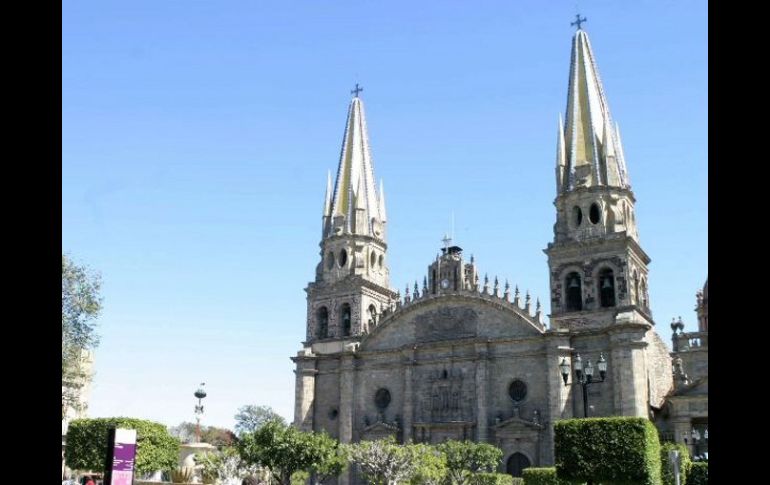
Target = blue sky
(196,137)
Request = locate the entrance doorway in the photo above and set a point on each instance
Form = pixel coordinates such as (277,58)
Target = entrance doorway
(516,463)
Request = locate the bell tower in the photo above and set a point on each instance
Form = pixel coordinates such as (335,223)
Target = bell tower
(597,267)
(351,287)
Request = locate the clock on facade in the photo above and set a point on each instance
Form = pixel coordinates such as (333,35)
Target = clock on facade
(445,283)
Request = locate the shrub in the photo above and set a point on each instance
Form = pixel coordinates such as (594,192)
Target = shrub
(542,476)
(87,441)
(615,450)
(685,463)
(699,474)
(464,457)
(517,481)
(492,479)
(181,475)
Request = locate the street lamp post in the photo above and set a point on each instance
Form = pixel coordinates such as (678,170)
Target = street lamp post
(584,375)
(200,394)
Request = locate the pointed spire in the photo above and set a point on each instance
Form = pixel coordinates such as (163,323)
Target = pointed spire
(382,202)
(416,290)
(527,300)
(328,196)
(507,293)
(588,147)
(425,285)
(516,295)
(486,284)
(561,158)
(496,289)
(355,173)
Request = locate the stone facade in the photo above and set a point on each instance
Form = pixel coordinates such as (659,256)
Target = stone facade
(458,358)
(684,415)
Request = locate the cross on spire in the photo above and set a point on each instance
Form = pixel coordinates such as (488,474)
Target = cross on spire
(577,22)
(357,90)
(446,241)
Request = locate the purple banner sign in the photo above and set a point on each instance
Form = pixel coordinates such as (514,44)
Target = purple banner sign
(123,455)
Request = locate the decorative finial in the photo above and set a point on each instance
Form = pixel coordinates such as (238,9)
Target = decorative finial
(425,284)
(406,291)
(507,292)
(358,89)
(516,296)
(416,289)
(496,288)
(486,284)
(527,302)
(473,260)
(537,305)
(577,22)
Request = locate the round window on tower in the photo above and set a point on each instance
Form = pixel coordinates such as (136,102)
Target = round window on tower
(595,214)
(577,216)
(330,260)
(517,390)
(343,258)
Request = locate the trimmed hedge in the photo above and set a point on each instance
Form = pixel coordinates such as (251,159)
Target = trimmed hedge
(616,450)
(87,441)
(699,474)
(685,463)
(542,476)
(492,479)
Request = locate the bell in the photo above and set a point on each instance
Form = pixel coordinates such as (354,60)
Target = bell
(607,283)
(574,283)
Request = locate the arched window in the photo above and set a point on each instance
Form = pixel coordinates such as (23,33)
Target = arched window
(643,296)
(345,320)
(637,295)
(516,464)
(322,317)
(372,315)
(606,288)
(574,292)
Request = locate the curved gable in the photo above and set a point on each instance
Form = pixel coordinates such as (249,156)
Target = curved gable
(450,317)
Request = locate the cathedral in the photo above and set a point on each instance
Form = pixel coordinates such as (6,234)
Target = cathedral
(463,358)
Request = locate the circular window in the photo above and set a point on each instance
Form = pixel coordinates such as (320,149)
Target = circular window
(517,390)
(382,260)
(343,258)
(577,216)
(595,213)
(330,260)
(333,413)
(372,259)
(382,398)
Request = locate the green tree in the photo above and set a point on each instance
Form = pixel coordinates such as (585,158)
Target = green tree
(464,458)
(80,306)
(430,465)
(251,417)
(225,465)
(286,450)
(383,462)
(219,437)
(87,441)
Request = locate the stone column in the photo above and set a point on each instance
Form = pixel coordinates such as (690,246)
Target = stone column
(408,410)
(304,391)
(347,385)
(558,347)
(482,423)
(628,367)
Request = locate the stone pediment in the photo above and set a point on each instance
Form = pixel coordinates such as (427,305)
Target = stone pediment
(517,424)
(381,427)
(452,316)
